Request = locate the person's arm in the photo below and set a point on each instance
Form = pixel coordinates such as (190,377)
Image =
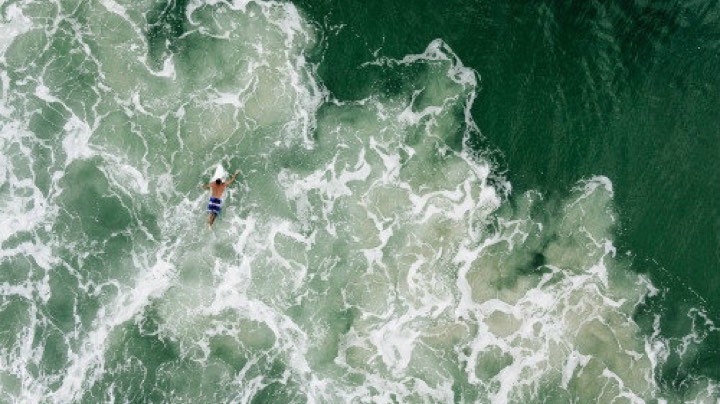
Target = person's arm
(233,177)
(204,186)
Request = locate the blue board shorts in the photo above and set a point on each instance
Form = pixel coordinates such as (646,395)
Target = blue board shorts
(214,206)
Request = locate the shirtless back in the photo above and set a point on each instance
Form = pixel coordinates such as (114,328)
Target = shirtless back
(217,190)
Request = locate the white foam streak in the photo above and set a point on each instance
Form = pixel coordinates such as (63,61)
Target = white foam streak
(377,264)
(15,24)
(327,182)
(87,365)
(574,361)
(437,50)
(77,140)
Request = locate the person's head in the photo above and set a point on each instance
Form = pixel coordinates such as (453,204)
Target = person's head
(218,181)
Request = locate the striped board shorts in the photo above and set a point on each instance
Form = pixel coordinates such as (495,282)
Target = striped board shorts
(214,206)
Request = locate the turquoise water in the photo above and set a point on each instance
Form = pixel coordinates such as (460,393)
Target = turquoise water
(436,204)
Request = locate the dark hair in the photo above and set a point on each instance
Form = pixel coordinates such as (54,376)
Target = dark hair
(218,181)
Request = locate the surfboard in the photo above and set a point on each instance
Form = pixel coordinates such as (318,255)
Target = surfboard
(219,173)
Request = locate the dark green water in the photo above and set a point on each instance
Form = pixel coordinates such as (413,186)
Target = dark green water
(463,201)
(630,90)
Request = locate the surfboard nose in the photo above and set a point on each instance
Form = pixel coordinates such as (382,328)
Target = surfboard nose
(219,173)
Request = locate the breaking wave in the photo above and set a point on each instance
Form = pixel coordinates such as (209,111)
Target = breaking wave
(370,253)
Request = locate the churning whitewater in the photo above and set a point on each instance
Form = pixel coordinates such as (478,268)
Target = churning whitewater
(370,253)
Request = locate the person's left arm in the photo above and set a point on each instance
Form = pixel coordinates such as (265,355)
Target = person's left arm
(233,177)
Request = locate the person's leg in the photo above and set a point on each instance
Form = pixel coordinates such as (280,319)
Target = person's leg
(214,210)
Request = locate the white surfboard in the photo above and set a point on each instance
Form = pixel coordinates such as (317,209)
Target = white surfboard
(219,173)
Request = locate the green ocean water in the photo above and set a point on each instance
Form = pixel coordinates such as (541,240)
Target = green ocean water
(570,89)
(457,202)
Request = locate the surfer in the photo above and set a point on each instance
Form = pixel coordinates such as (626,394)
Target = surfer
(217,188)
